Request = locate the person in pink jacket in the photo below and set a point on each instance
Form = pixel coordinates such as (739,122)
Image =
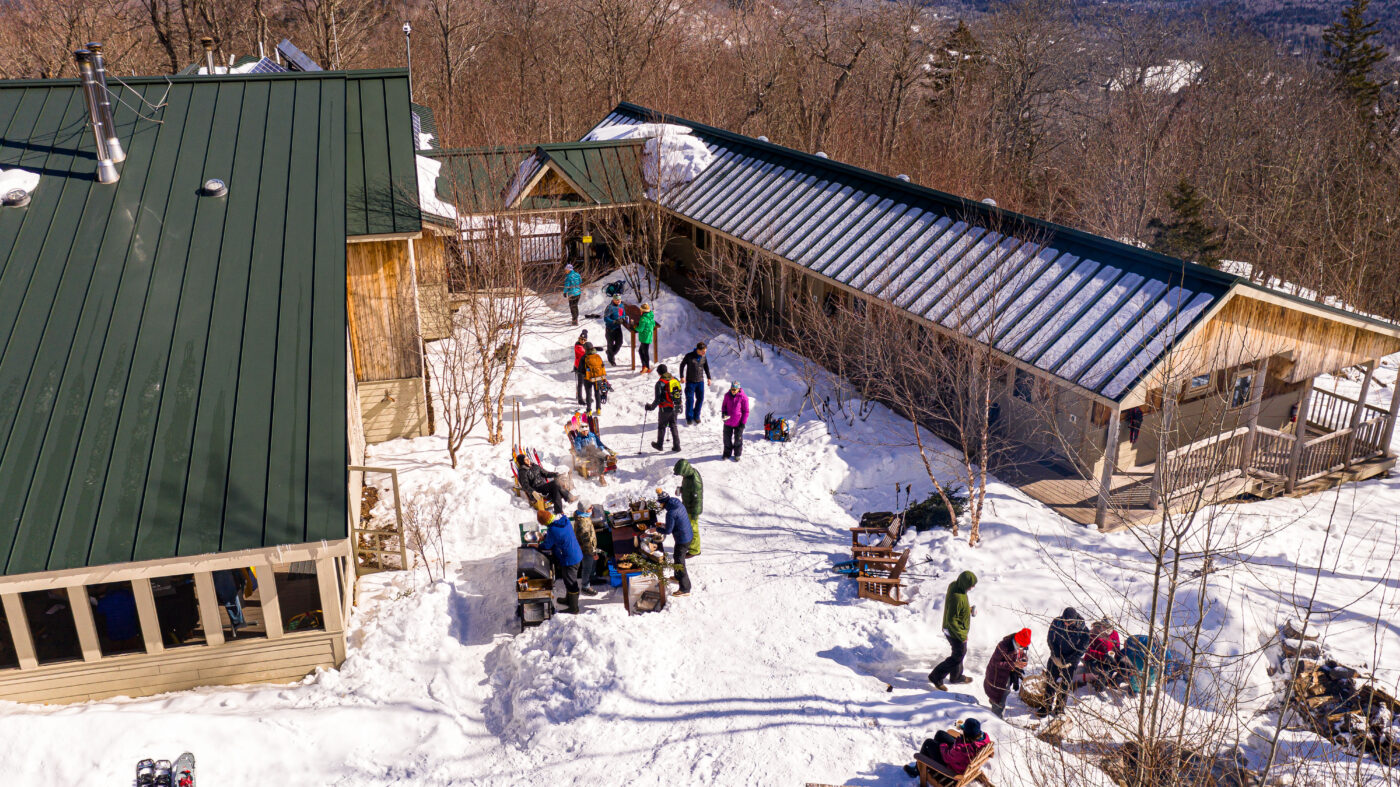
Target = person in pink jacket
(735,410)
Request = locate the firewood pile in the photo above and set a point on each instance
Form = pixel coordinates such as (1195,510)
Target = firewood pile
(1339,703)
(1170,764)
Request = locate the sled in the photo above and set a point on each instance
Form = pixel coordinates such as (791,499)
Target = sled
(933,772)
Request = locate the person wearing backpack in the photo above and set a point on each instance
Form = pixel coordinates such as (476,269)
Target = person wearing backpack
(668,393)
(573,288)
(646,334)
(735,410)
(580,349)
(696,371)
(693,495)
(957,621)
(614,317)
(593,374)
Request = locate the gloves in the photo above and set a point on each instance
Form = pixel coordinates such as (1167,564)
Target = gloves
(650,407)
(1016,676)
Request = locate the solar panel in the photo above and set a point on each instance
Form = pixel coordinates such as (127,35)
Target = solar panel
(296,59)
(266,66)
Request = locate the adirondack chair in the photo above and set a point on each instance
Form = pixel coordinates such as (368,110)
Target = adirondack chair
(933,772)
(876,540)
(879,577)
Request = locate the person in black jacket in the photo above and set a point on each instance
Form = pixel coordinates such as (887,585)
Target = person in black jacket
(1068,639)
(534,478)
(695,370)
(667,395)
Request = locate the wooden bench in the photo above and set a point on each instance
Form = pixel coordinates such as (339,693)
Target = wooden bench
(878,577)
(933,772)
(883,546)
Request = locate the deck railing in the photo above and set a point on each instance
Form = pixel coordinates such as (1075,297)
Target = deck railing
(1272,450)
(1204,462)
(1332,452)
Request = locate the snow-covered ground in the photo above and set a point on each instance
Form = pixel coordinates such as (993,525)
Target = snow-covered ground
(772,672)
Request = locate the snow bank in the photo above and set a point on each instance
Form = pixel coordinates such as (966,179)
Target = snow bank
(672,157)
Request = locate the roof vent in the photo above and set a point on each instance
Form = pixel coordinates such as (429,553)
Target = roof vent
(213,187)
(762,138)
(822,154)
(208,43)
(902,176)
(93,96)
(15,198)
(989,201)
(104,105)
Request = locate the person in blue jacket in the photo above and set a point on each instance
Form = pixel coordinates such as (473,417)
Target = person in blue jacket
(614,317)
(562,546)
(677,526)
(573,288)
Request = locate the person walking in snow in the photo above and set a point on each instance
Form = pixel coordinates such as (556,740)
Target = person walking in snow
(573,289)
(1068,638)
(735,410)
(678,527)
(1005,670)
(580,349)
(588,547)
(593,374)
(693,495)
(957,621)
(646,334)
(614,317)
(562,545)
(668,393)
(696,372)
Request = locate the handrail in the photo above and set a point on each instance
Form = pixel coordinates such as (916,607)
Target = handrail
(356,530)
(1205,442)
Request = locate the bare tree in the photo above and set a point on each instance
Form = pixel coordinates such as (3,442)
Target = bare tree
(458,382)
(424,524)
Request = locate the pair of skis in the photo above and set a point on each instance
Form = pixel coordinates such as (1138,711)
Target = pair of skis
(163,773)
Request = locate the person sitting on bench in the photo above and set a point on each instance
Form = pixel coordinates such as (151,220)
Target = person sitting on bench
(589,446)
(955,752)
(534,478)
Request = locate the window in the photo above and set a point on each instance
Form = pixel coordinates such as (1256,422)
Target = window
(51,625)
(1200,384)
(1242,388)
(236,590)
(702,240)
(177,611)
(8,658)
(114,614)
(299,596)
(1024,384)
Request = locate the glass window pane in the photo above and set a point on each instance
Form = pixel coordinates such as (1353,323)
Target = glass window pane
(299,595)
(177,608)
(51,624)
(114,614)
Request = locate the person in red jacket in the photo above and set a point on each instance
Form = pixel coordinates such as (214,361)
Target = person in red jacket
(1006,668)
(956,752)
(1104,662)
(579,351)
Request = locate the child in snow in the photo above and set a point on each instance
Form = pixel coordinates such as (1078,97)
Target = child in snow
(562,546)
(1068,638)
(668,392)
(678,527)
(957,620)
(580,349)
(573,288)
(1104,663)
(957,751)
(614,317)
(1005,670)
(646,334)
(735,410)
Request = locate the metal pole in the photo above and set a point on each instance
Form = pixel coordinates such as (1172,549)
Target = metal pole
(408,55)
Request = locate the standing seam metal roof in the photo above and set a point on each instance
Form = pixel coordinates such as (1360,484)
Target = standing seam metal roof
(487,180)
(1093,312)
(172,366)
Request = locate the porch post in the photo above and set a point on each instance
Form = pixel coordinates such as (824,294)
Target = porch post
(1390,421)
(81,607)
(268,600)
(20,635)
(1110,460)
(1256,398)
(1358,411)
(148,615)
(210,613)
(1170,394)
(1300,435)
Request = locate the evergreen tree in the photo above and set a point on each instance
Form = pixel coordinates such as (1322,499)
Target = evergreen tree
(954,59)
(1186,234)
(1350,55)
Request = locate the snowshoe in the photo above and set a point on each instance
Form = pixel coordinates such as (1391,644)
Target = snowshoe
(145,773)
(164,777)
(184,770)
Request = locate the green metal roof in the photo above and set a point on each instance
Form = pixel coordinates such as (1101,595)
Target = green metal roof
(490,180)
(172,366)
(381,191)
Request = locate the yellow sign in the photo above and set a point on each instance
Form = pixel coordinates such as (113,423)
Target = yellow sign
(587,238)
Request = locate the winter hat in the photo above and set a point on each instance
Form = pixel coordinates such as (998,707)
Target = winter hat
(734,386)
(1023,638)
(588,347)
(583,334)
(569,267)
(617,299)
(662,370)
(543,517)
(972,730)
(646,307)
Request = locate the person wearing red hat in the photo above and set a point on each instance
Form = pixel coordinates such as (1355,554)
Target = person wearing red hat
(1005,670)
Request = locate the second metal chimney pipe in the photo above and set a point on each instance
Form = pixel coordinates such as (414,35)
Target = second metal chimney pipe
(208,54)
(104,104)
(106,168)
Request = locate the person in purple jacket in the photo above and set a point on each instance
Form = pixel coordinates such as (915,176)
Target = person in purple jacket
(735,410)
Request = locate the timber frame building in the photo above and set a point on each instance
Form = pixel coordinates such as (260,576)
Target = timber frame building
(1099,343)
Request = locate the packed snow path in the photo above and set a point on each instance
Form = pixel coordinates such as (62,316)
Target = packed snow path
(772,672)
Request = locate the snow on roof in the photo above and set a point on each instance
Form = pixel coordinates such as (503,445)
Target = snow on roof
(428,171)
(23,179)
(673,155)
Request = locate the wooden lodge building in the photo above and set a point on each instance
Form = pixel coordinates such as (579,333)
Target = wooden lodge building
(1101,343)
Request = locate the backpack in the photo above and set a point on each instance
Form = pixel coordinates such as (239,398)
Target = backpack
(601,389)
(775,429)
(615,288)
(672,392)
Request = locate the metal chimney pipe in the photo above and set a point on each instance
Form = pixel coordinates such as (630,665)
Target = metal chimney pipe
(106,168)
(114,145)
(208,54)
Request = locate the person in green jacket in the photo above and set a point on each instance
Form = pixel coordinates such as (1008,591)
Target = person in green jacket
(693,496)
(646,334)
(957,619)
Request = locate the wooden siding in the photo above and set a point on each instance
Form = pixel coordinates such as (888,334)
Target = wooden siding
(284,660)
(393,408)
(381,304)
(354,424)
(1246,329)
(434,303)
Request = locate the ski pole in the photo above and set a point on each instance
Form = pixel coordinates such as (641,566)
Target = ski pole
(641,438)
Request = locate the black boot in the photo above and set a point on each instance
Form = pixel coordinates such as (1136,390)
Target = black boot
(569,603)
(656,445)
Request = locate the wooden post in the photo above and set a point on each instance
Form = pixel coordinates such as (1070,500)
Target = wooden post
(1110,460)
(1390,420)
(19,631)
(632,340)
(1170,394)
(267,599)
(1358,411)
(81,607)
(1300,435)
(210,615)
(1256,399)
(332,611)
(147,613)
(586,243)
